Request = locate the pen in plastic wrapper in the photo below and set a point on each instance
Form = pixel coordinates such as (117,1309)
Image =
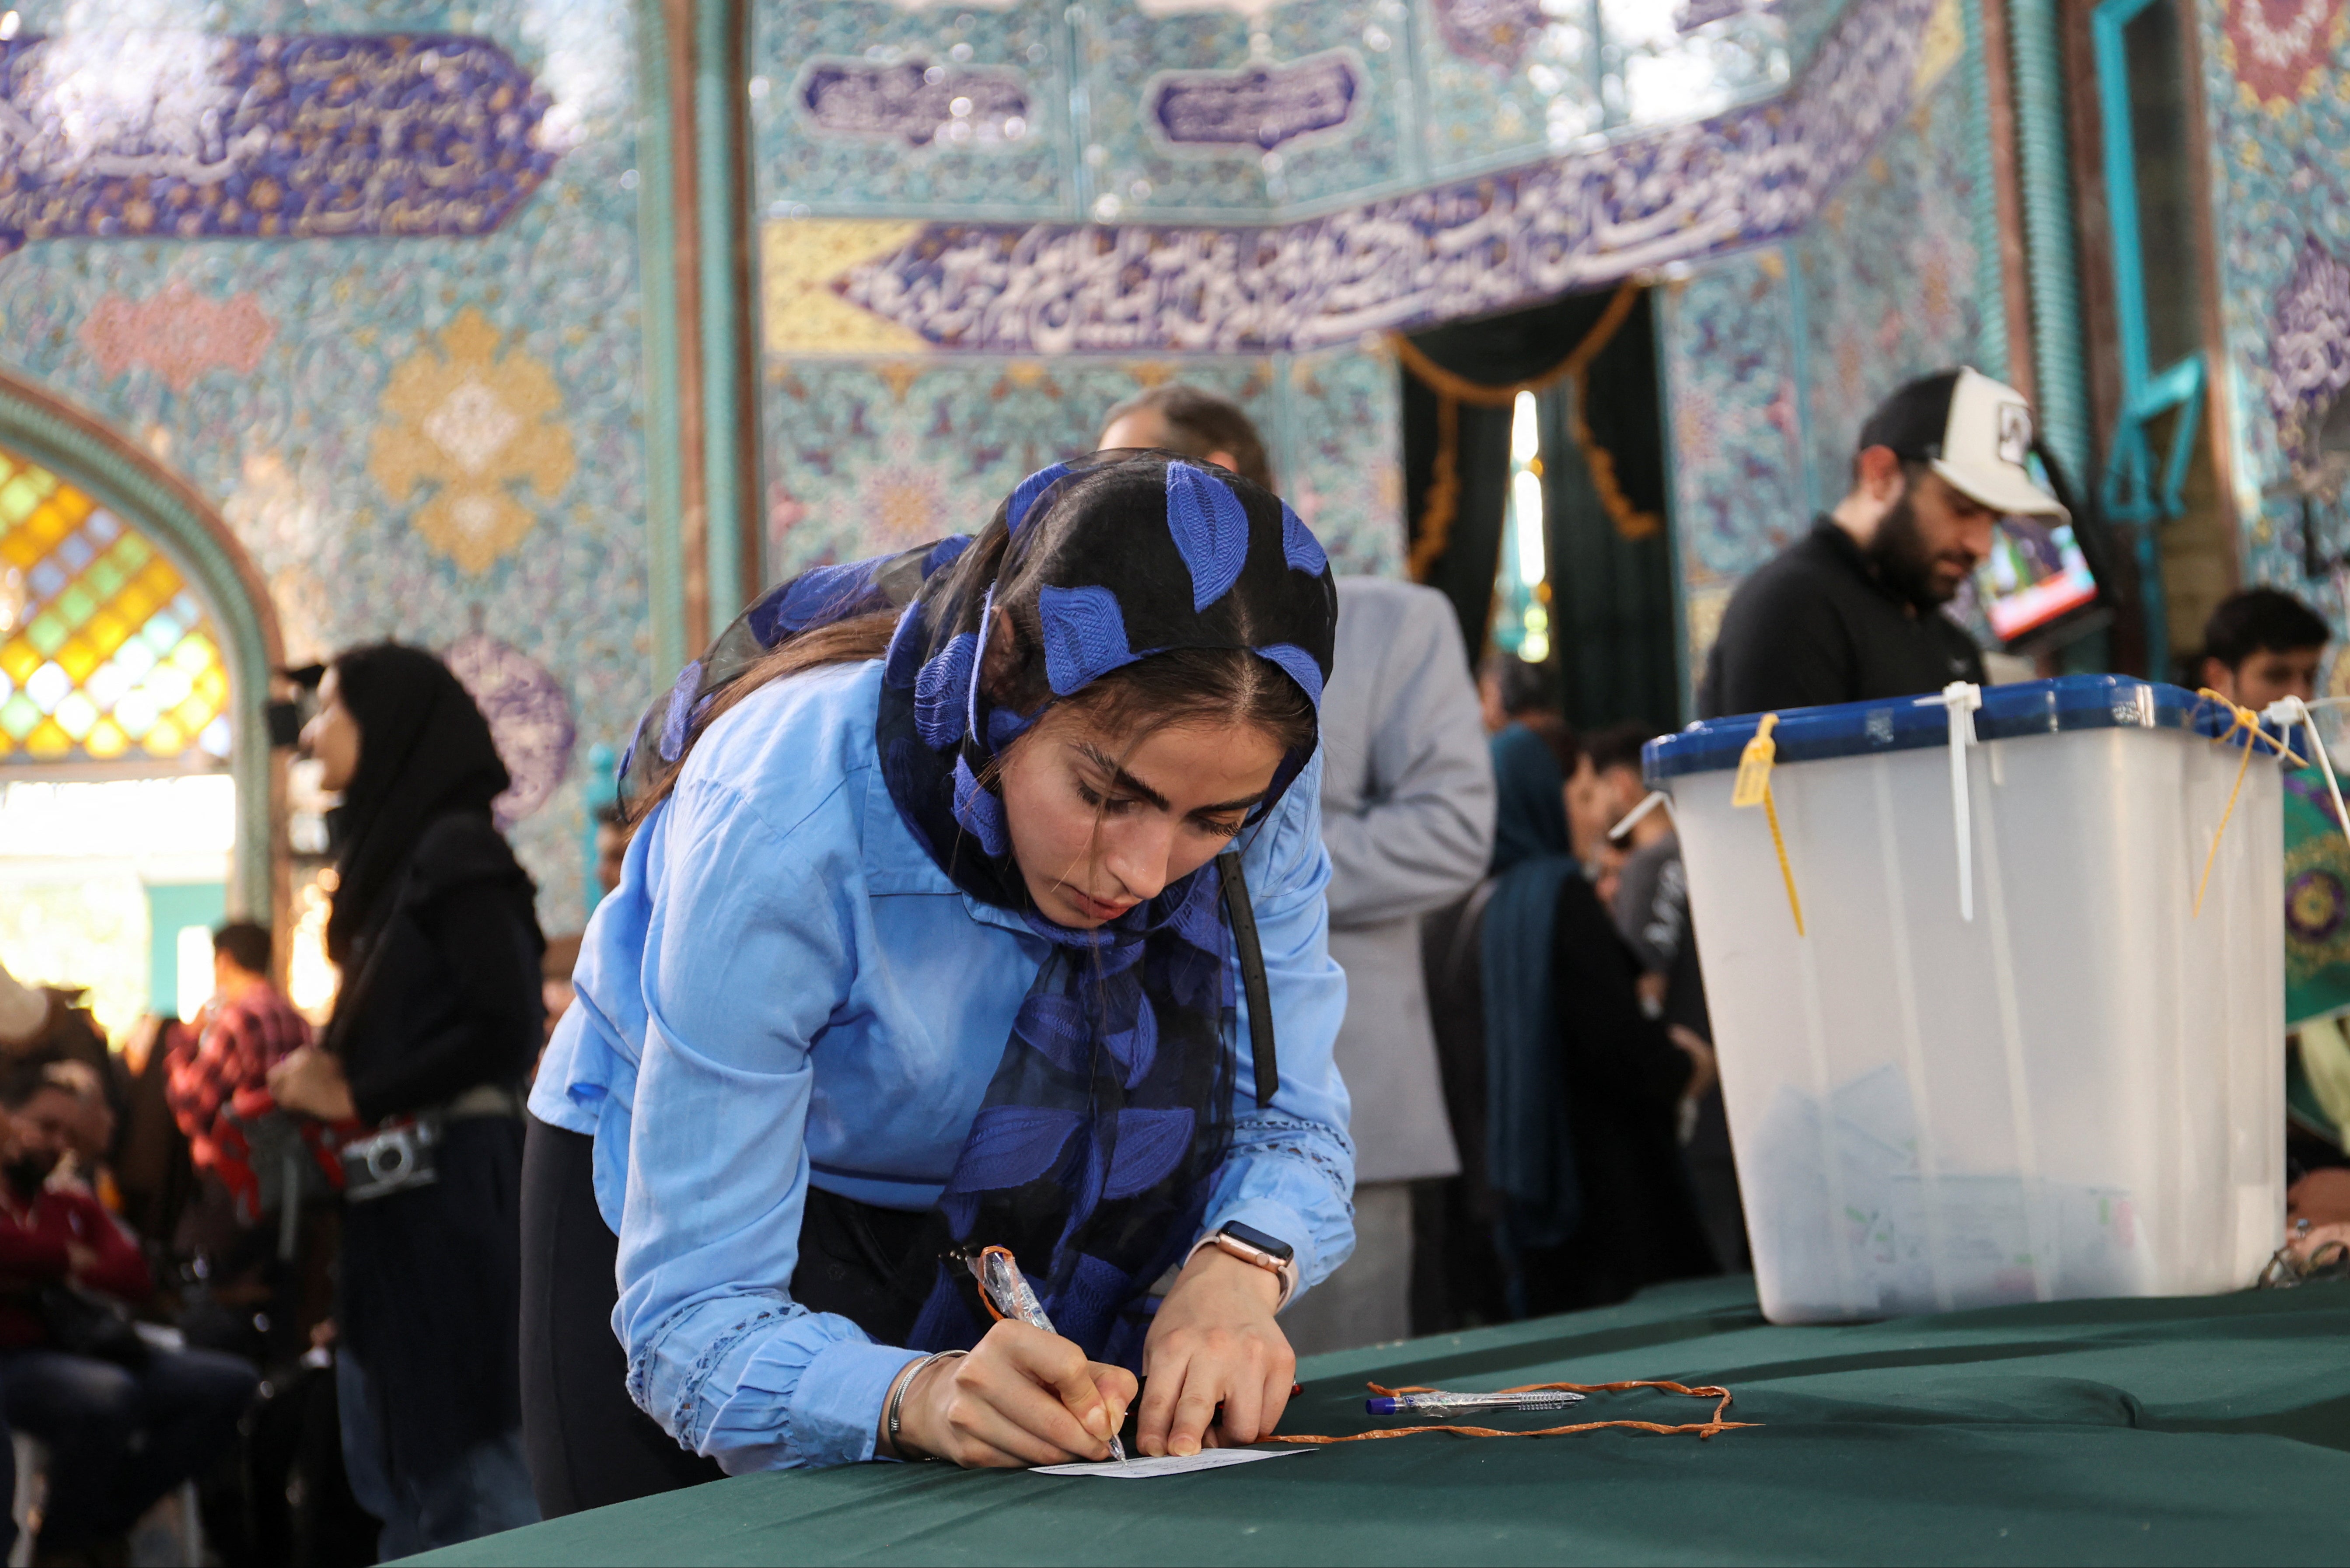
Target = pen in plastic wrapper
(1007,1287)
(1443,1402)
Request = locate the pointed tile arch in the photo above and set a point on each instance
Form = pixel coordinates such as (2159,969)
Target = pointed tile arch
(81,449)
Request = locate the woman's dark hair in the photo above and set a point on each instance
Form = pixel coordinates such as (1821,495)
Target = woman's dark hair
(425,752)
(1229,685)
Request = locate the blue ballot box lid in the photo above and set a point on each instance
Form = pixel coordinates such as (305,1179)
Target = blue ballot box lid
(1909,723)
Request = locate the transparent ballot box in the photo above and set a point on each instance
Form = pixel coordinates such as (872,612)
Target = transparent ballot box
(2007,1059)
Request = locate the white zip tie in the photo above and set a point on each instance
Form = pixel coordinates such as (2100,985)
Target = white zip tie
(1632,819)
(2293,709)
(1960,699)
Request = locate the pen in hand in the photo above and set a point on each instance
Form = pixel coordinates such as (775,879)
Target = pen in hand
(1001,1279)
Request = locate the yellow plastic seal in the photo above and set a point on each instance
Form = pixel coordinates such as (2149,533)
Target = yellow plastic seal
(1753,788)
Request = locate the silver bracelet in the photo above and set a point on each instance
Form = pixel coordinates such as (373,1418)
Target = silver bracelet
(898,1396)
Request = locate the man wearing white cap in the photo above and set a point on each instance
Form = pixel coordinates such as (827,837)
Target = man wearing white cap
(1852,611)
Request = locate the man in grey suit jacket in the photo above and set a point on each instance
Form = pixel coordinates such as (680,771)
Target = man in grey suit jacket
(1407,817)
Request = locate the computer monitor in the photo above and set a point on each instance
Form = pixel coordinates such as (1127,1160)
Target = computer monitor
(2037,575)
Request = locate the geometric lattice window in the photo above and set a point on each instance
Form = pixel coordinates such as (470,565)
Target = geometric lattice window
(105,654)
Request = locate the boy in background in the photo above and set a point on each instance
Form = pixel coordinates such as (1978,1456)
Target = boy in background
(2261,645)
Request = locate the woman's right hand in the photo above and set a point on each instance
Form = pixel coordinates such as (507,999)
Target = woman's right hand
(1021,1398)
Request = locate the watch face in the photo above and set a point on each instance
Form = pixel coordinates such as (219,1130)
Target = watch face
(1249,1235)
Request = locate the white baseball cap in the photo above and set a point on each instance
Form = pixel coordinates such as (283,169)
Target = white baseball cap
(1973,430)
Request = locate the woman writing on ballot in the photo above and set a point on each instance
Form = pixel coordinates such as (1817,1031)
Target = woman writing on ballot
(924,945)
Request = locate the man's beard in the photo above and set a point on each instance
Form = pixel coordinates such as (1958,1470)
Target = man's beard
(1899,558)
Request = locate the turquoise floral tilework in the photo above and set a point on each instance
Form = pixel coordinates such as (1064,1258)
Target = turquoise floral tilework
(1807,23)
(1564,81)
(869,455)
(2278,99)
(1773,358)
(1340,437)
(1732,365)
(1489,113)
(1888,273)
(283,449)
(801,163)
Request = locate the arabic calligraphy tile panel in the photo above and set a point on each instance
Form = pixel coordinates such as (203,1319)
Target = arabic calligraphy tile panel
(1888,273)
(277,434)
(267,135)
(1755,175)
(1129,55)
(900,167)
(869,456)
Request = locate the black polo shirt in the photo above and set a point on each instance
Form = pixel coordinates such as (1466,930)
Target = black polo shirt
(1814,626)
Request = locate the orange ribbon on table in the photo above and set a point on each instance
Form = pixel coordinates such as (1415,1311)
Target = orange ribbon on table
(1705,1428)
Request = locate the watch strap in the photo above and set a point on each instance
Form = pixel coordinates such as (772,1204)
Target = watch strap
(1285,1271)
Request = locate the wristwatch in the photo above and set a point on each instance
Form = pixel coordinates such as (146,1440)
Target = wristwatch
(1251,1245)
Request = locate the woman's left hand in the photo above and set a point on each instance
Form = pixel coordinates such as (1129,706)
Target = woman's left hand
(311,1083)
(1213,1342)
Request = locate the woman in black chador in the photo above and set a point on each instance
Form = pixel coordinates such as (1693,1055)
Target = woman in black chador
(432,1041)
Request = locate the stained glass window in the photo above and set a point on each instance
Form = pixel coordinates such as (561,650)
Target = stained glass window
(105,654)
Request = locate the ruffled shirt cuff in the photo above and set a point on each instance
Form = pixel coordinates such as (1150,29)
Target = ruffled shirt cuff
(785,1408)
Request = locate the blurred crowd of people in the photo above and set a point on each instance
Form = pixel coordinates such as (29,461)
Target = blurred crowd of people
(285,1265)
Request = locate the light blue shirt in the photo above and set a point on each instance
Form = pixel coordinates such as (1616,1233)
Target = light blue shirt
(785,988)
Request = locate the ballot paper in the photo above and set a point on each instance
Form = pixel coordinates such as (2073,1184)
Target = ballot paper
(1166,1464)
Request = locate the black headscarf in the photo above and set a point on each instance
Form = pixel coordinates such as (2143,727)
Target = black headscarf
(425,753)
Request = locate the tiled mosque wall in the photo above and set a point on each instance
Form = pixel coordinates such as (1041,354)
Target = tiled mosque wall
(363,273)
(2276,88)
(399,347)
(1270,188)
(1774,356)
(871,455)
(981,226)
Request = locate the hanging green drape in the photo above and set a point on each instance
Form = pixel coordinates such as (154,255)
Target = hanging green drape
(1611,565)
(1591,359)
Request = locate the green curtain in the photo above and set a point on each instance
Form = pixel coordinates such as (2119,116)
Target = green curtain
(1610,566)
(1464,568)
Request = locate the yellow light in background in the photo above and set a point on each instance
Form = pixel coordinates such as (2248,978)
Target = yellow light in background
(1526,500)
(1526,524)
(310,976)
(1535,646)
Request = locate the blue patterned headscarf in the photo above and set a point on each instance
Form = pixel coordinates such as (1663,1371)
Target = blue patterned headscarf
(1099,1138)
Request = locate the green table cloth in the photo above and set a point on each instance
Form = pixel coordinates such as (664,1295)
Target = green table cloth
(2204,1429)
